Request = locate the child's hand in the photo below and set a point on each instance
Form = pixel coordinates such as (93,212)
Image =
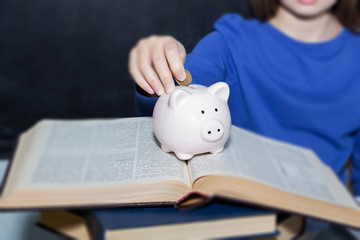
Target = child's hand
(153,62)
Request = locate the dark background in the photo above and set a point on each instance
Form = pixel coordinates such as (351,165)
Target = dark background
(68,58)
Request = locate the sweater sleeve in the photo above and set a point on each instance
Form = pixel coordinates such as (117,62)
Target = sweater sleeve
(356,166)
(206,62)
(144,102)
(211,59)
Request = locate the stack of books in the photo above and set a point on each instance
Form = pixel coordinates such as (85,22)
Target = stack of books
(118,163)
(217,220)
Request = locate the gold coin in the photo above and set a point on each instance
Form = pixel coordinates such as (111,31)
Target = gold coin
(187,80)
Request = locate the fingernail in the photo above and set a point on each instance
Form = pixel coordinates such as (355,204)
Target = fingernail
(149,90)
(169,88)
(159,91)
(182,76)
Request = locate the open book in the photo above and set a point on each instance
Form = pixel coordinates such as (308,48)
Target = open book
(119,162)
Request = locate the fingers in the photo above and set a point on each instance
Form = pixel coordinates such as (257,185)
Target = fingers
(175,54)
(140,67)
(153,62)
(145,66)
(136,74)
(162,68)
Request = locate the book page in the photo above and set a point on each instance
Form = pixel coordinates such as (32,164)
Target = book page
(278,164)
(102,152)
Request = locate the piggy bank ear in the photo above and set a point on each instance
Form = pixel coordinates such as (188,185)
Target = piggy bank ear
(221,90)
(177,97)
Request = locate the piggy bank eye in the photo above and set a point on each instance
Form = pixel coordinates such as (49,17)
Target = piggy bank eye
(202,111)
(216,109)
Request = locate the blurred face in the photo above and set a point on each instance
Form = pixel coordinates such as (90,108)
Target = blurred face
(307,8)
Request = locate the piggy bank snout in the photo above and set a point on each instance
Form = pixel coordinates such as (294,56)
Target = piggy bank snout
(212,131)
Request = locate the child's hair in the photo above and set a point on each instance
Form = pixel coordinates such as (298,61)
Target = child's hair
(346,11)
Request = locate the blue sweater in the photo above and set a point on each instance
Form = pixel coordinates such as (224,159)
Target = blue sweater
(303,93)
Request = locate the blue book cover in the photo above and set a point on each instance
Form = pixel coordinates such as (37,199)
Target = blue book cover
(112,222)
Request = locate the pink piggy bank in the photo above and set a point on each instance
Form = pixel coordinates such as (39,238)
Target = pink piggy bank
(193,120)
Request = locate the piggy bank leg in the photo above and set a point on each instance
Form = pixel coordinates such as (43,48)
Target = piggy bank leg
(219,150)
(165,148)
(183,156)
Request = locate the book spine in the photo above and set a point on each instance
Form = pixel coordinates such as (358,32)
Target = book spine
(96,229)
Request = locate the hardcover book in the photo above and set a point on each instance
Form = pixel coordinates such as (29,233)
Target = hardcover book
(215,220)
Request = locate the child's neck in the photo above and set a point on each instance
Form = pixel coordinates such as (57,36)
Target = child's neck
(321,28)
